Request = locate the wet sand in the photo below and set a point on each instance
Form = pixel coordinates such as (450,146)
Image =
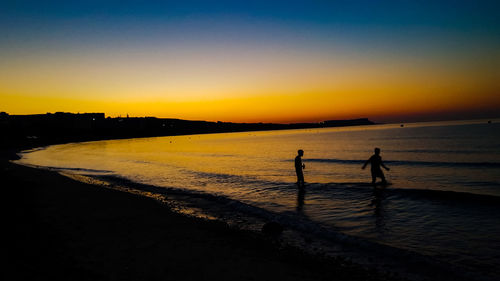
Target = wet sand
(61,229)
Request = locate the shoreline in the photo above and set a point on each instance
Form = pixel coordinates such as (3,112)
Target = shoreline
(353,250)
(371,263)
(60,228)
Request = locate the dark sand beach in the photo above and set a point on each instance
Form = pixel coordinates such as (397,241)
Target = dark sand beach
(61,229)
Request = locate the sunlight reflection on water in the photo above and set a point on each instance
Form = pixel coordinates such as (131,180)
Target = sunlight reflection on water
(257,168)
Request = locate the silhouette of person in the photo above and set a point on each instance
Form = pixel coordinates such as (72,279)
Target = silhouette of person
(299,166)
(375,162)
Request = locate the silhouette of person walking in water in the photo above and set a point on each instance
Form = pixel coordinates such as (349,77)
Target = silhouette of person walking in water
(299,166)
(375,162)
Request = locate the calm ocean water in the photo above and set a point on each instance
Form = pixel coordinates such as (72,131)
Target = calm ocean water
(443,201)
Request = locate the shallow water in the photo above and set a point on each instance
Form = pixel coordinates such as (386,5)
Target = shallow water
(443,201)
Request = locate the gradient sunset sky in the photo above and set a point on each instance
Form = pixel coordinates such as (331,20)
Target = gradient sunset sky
(252,61)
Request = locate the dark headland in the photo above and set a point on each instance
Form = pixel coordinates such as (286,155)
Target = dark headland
(60,229)
(61,127)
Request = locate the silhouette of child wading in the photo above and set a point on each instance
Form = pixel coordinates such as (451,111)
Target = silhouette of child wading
(375,162)
(299,168)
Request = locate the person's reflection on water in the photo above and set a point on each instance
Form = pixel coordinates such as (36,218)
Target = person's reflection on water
(301,194)
(377,203)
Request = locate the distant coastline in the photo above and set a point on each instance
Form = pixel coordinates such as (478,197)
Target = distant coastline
(27,131)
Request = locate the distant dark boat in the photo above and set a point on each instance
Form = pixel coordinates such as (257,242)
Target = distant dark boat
(402,125)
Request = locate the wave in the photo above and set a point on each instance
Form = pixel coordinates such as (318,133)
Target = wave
(445,195)
(410,193)
(252,182)
(223,203)
(237,180)
(319,188)
(438,151)
(410,163)
(35,149)
(86,170)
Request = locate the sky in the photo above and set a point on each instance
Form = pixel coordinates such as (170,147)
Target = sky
(252,61)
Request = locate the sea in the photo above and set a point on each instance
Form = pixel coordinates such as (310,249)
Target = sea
(440,210)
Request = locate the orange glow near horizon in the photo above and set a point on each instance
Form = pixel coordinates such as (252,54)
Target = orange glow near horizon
(271,108)
(244,85)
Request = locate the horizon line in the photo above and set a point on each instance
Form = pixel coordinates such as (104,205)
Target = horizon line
(423,120)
